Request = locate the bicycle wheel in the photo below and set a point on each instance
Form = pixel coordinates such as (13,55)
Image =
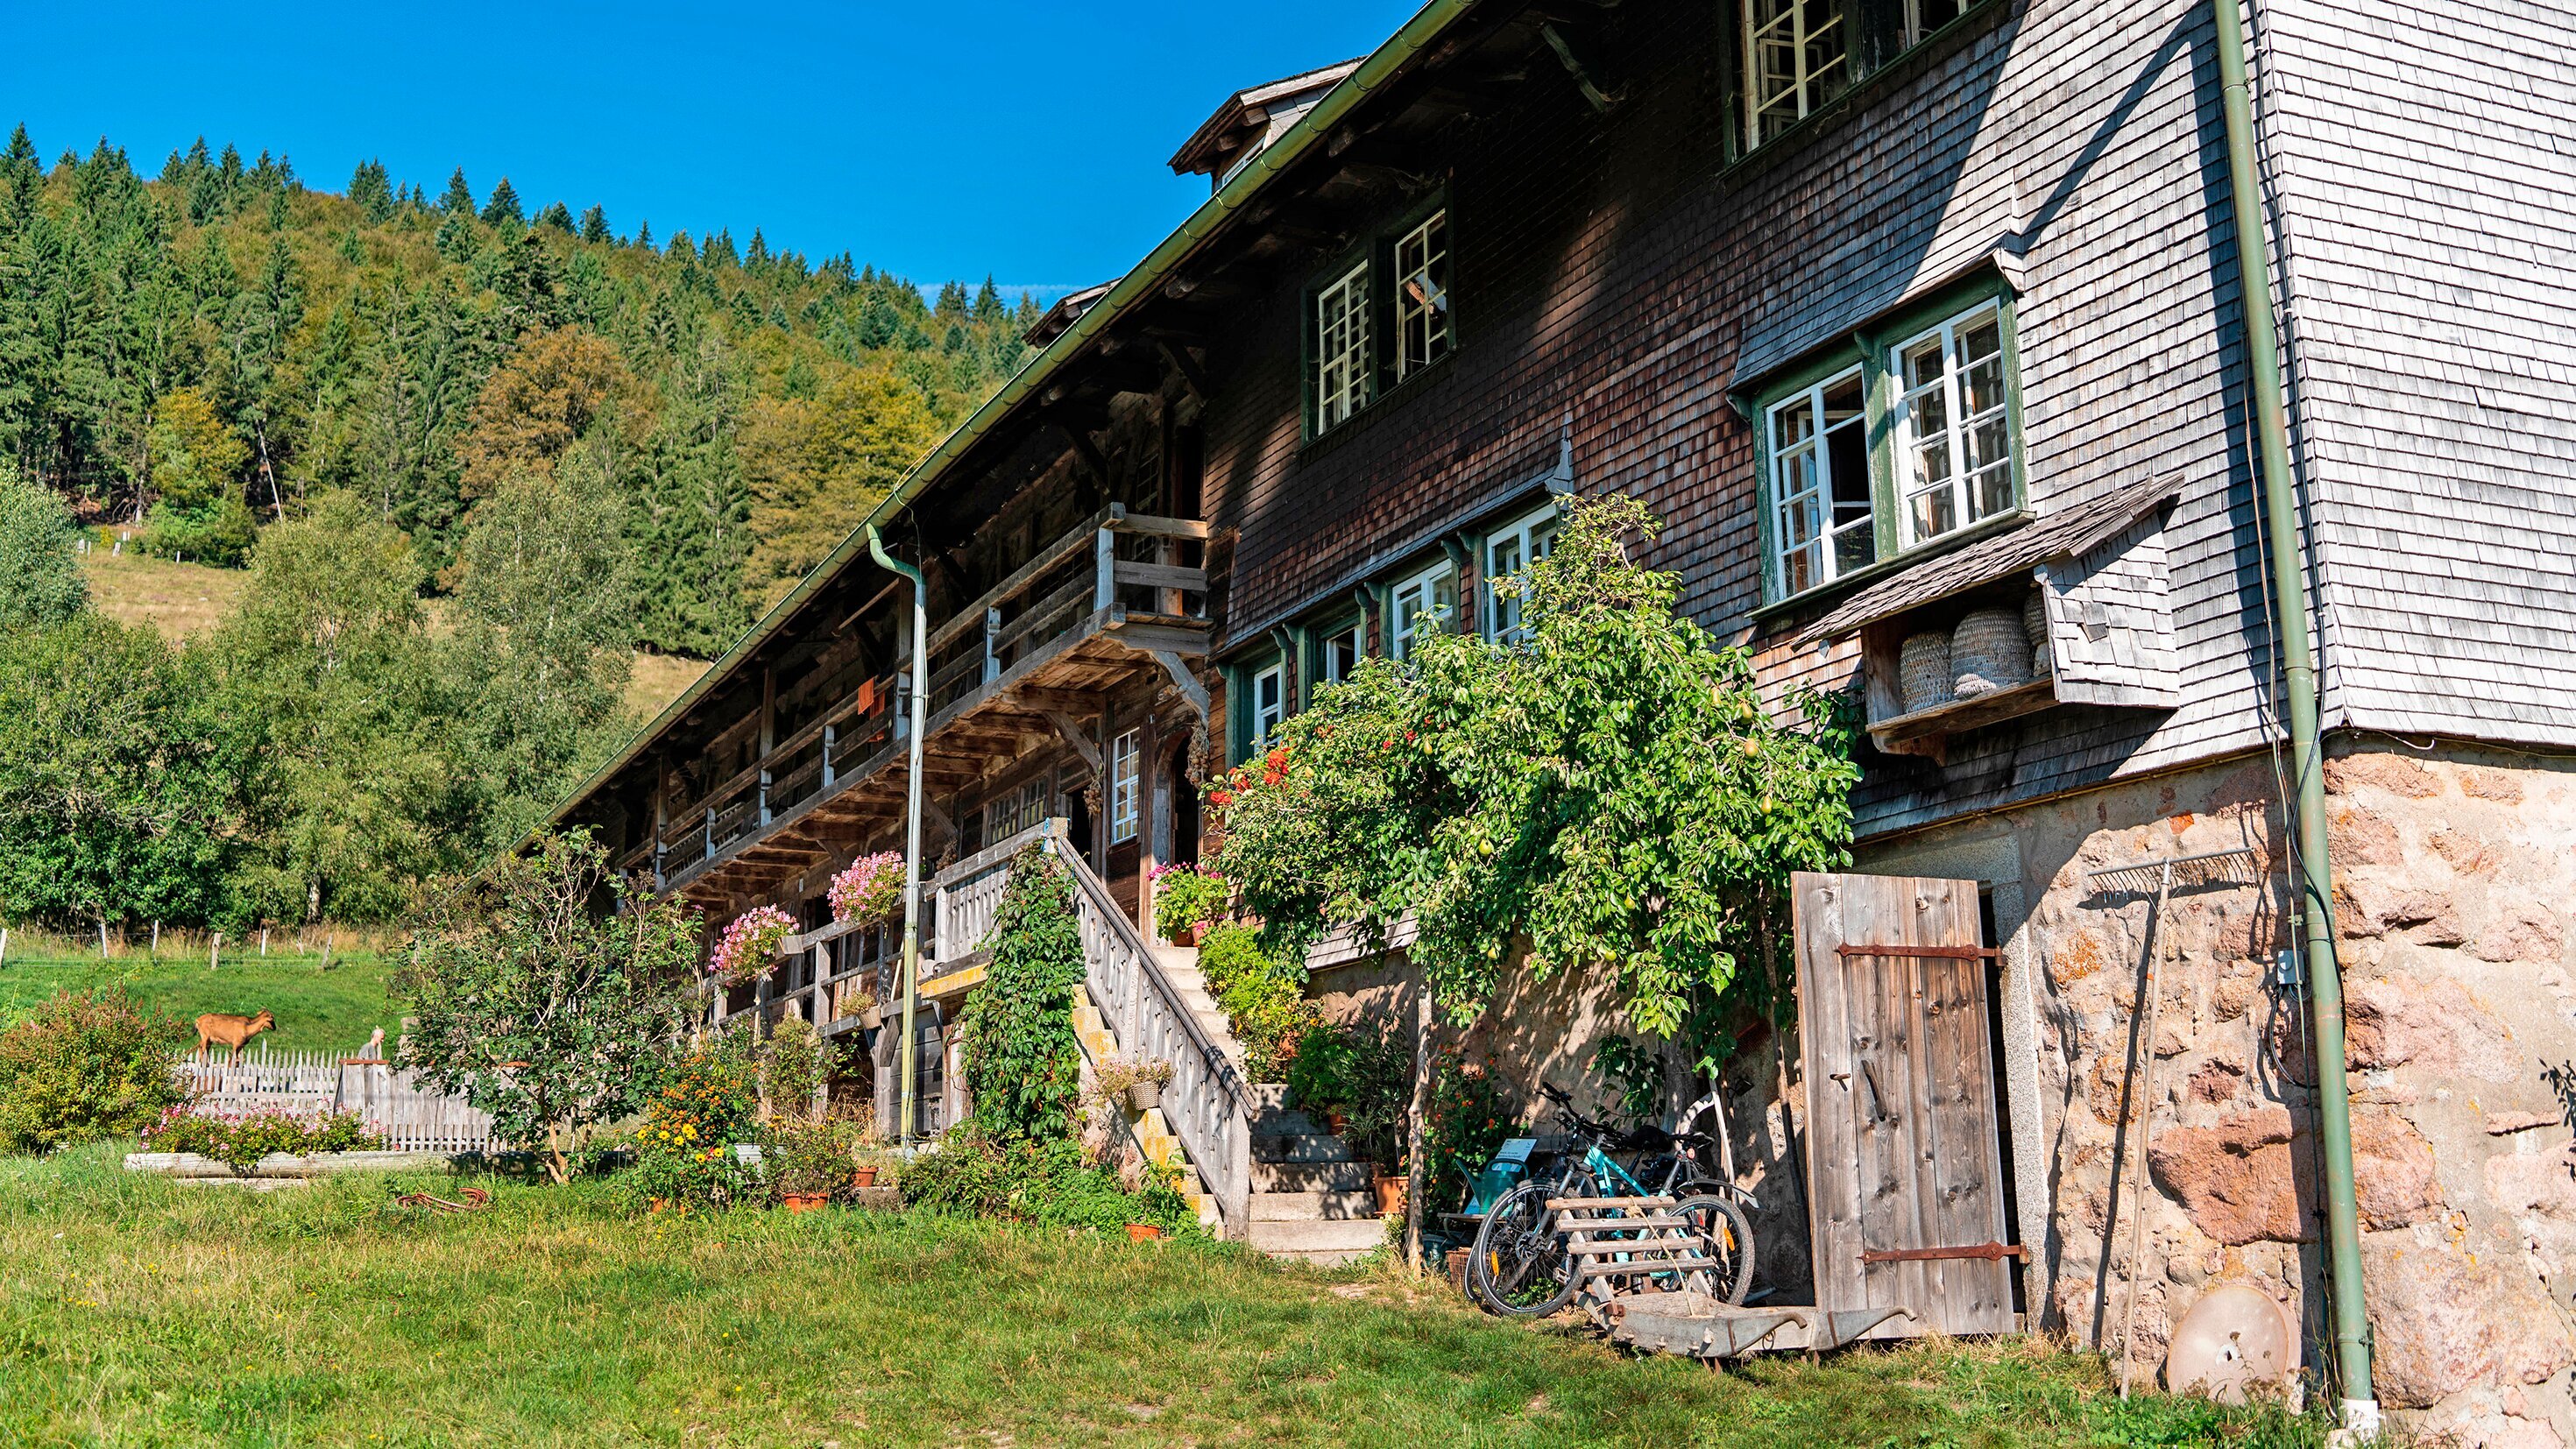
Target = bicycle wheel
(1520,1268)
(1728,1235)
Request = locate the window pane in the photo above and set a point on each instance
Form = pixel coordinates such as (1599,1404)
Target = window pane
(1795,60)
(1341,348)
(1854,548)
(1422,295)
(1933,514)
(1958,465)
(1993,492)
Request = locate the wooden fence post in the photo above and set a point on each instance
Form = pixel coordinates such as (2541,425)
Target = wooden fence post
(215,951)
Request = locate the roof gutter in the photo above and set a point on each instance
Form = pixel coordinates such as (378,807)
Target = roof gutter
(1382,65)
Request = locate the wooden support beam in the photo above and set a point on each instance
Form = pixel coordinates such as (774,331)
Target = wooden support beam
(1072,731)
(1599,100)
(1085,449)
(1193,376)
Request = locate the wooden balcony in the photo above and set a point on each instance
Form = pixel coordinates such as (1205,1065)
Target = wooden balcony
(1085,614)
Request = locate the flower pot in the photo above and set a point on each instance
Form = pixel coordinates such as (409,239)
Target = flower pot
(804,1202)
(1143,1233)
(659,1203)
(1390,1197)
(865,1176)
(1187,935)
(1337,1123)
(1145,1096)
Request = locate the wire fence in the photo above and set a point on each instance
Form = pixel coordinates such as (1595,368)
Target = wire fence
(396,1104)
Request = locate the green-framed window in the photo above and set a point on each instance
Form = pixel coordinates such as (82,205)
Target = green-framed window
(1900,438)
(1795,57)
(1378,317)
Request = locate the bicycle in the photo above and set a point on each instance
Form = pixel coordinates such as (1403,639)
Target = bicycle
(1523,1266)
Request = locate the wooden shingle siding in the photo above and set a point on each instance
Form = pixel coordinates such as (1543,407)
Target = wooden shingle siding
(1620,276)
(2421,157)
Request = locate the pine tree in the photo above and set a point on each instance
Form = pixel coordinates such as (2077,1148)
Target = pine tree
(594,225)
(556,215)
(988,304)
(372,190)
(757,254)
(504,206)
(459,199)
(644,235)
(952,302)
(718,249)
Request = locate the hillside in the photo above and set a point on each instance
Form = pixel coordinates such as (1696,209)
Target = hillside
(204,352)
(182,600)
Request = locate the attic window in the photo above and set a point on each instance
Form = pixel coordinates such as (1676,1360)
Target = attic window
(1422,296)
(1341,348)
(1796,57)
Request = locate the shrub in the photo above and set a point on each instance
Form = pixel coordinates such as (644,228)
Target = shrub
(1264,999)
(1185,896)
(684,1151)
(795,1062)
(1464,1124)
(802,1156)
(240,1139)
(1023,1063)
(86,1065)
(545,1012)
(1365,1074)
(1045,1183)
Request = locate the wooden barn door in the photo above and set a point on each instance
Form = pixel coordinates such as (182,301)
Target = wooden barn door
(1905,1173)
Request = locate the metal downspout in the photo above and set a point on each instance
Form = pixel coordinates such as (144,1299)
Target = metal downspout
(911,962)
(2290,605)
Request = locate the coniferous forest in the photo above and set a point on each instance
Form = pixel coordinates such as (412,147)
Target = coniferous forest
(472,450)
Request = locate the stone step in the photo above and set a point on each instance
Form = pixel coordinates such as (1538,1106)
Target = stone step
(1319,1240)
(1299,1147)
(1322,1206)
(1269,1097)
(1285,1122)
(1344,1176)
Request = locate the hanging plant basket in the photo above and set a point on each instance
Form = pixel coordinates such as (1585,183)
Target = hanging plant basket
(748,949)
(869,889)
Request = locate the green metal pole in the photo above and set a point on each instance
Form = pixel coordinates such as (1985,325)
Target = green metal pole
(911,963)
(2290,604)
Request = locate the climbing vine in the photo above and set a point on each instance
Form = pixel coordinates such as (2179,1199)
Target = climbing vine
(1023,1062)
(1610,791)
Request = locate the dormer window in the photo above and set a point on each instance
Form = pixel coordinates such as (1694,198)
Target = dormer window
(1377,319)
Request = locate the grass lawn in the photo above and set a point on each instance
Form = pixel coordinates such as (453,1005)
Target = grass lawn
(316,1010)
(134,1311)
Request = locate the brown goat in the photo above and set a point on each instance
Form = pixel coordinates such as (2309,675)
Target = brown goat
(217,1028)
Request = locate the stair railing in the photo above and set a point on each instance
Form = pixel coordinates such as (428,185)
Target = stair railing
(1207,1103)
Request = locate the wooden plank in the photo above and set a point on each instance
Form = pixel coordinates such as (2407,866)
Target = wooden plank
(1161,576)
(1833,1199)
(1881,993)
(1964,1171)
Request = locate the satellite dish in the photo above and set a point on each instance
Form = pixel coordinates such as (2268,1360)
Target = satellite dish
(2234,1337)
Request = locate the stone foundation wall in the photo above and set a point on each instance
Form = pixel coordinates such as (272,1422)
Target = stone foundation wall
(2455,876)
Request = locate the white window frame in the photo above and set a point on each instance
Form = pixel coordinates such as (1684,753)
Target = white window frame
(1916,31)
(1813,76)
(1265,715)
(1126,760)
(1959,425)
(1329,670)
(1511,549)
(1341,378)
(1415,599)
(1818,495)
(1422,295)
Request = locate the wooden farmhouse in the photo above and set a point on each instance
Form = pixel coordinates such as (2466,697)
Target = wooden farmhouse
(1919,324)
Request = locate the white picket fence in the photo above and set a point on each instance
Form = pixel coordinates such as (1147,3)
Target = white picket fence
(409,1115)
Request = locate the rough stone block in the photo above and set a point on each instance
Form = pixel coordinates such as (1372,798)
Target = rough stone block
(2446,1323)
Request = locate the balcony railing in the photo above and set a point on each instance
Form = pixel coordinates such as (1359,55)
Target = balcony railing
(1115,567)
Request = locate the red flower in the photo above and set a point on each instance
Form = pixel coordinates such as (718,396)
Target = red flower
(1408,737)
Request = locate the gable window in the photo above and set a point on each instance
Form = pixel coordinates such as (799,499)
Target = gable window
(1820,484)
(1422,296)
(1796,58)
(1342,348)
(1269,703)
(1509,550)
(1918,441)
(1419,607)
(1126,754)
(1953,428)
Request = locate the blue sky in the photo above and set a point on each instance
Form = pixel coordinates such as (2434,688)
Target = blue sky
(953,139)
